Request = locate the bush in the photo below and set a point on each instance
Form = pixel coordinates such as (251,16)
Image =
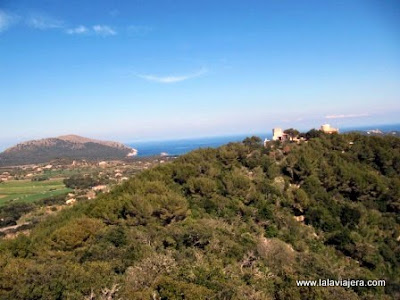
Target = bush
(81,182)
(40,178)
(9,214)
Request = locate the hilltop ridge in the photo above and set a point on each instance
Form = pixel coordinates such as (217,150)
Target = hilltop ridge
(82,140)
(67,146)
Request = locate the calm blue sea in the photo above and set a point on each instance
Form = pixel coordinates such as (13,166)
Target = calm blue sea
(178,147)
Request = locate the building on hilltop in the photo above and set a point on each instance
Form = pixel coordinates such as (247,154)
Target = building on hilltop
(326,128)
(279,135)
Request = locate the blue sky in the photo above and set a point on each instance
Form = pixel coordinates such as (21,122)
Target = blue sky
(137,70)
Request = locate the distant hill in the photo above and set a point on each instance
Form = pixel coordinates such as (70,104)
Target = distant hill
(68,146)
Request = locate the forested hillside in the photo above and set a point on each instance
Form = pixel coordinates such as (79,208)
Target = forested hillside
(239,222)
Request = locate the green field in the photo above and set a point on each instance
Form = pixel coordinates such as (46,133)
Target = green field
(30,191)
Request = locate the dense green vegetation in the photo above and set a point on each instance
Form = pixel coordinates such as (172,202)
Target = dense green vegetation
(220,224)
(79,181)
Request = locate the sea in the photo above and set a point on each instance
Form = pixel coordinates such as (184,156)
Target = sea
(182,146)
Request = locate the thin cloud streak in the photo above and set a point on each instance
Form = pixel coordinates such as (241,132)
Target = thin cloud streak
(139,30)
(77,30)
(343,116)
(43,22)
(172,78)
(104,30)
(46,22)
(6,20)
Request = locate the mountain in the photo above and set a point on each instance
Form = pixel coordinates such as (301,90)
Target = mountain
(68,146)
(241,221)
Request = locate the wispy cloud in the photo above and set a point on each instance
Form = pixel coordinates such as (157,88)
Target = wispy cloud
(77,30)
(103,30)
(43,22)
(139,30)
(343,116)
(172,78)
(6,20)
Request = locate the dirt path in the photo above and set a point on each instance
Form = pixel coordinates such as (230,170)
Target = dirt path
(13,227)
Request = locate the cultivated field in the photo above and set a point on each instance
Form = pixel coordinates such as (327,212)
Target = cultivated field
(29,191)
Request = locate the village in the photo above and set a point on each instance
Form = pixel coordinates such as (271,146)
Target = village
(56,178)
(62,167)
